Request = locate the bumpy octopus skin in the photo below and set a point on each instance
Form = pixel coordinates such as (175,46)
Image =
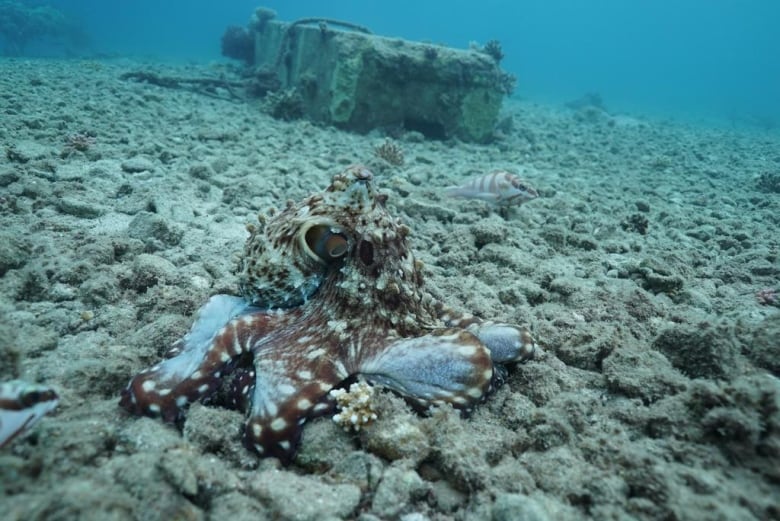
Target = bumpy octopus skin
(330,293)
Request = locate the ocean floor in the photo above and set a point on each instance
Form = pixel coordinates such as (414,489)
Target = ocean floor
(655,395)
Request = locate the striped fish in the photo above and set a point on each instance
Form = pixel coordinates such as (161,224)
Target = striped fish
(22,404)
(500,188)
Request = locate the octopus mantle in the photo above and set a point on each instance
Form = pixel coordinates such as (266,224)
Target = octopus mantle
(330,293)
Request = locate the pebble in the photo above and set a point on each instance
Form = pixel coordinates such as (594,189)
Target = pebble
(153,229)
(149,270)
(303,498)
(137,164)
(398,487)
(79,208)
(25,151)
(517,507)
(13,253)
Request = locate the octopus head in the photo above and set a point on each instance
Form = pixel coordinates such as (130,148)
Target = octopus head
(343,230)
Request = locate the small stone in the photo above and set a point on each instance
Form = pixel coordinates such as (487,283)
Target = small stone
(642,374)
(359,468)
(764,348)
(6,178)
(236,506)
(59,292)
(177,469)
(446,498)
(517,507)
(303,498)
(399,486)
(324,445)
(487,231)
(13,253)
(79,208)
(397,433)
(216,430)
(100,289)
(137,164)
(25,151)
(699,351)
(154,230)
(149,270)
(202,171)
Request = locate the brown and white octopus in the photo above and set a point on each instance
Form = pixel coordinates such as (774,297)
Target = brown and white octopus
(331,293)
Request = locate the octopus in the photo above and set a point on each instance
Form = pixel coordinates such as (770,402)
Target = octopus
(330,294)
(22,405)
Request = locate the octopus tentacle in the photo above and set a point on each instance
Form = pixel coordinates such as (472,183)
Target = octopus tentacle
(506,342)
(288,390)
(215,340)
(447,366)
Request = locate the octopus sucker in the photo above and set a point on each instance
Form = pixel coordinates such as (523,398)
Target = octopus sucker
(329,293)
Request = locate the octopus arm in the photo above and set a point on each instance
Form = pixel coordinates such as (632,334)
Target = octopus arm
(290,387)
(447,366)
(22,404)
(225,328)
(507,343)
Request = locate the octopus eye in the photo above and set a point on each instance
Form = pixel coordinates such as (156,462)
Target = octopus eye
(366,252)
(326,242)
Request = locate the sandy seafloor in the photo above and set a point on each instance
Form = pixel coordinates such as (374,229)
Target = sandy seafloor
(653,398)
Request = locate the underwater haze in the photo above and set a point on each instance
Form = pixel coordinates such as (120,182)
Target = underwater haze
(354,231)
(689,59)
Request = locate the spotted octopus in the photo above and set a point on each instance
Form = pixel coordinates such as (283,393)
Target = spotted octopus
(330,294)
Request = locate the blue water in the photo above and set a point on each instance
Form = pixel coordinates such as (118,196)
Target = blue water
(698,60)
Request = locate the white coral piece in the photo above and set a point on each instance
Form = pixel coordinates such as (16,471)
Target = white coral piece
(356,406)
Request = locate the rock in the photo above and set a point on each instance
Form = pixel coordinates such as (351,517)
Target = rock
(216,430)
(488,230)
(361,81)
(359,468)
(698,351)
(399,486)
(518,507)
(149,270)
(764,349)
(324,445)
(445,497)
(154,231)
(79,208)
(303,498)
(658,277)
(176,466)
(137,164)
(13,253)
(641,374)
(25,151)
(8,177)
(102,288)
(235,506)
(397,433)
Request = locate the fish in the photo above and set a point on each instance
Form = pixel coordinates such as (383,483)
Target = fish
(499,187)
(22,405)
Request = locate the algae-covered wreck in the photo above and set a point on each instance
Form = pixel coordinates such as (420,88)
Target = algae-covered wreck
(341,74)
